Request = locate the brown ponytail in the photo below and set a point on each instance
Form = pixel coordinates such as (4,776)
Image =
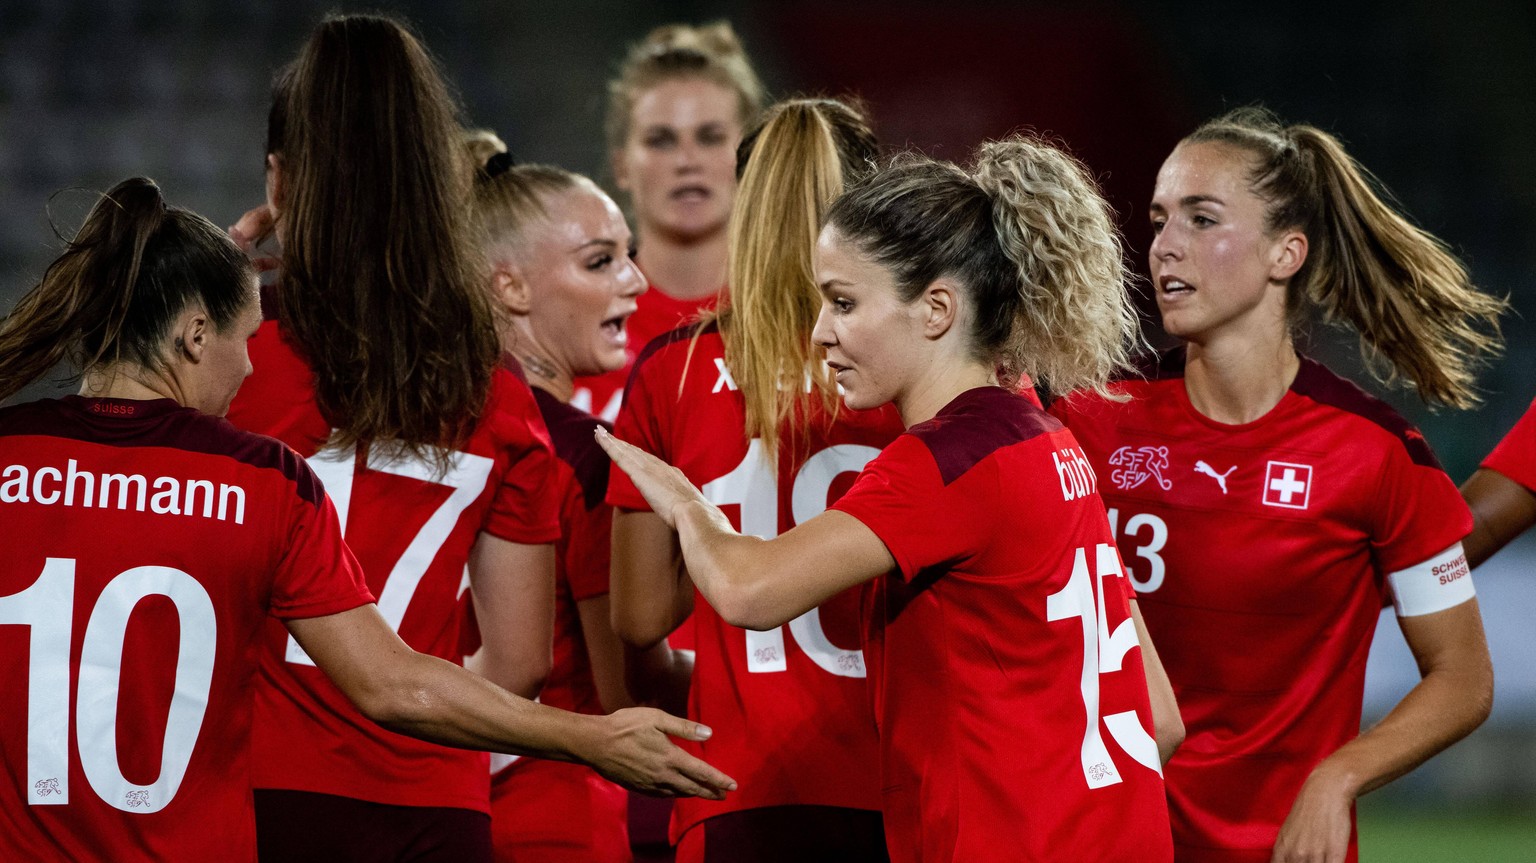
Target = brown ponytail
(1413,304)
(133,266)
(381,285)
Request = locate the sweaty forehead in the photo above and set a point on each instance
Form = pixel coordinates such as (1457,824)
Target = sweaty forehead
(1204,170)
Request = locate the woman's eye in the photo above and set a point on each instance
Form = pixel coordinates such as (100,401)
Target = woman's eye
(600,262)
(842,305)
(1203,221)
(1157,226)
(711,137)
(658,140)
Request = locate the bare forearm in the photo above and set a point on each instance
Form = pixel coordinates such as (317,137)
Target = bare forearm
(436,700)
(650,592)
(1444,707)
(733,572)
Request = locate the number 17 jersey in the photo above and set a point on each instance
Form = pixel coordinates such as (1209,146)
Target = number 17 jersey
(789,707)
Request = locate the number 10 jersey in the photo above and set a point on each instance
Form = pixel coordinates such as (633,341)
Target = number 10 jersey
(788,707)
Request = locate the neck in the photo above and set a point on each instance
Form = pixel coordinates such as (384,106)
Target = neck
(943,382)
(125,381)
(542,368)
(1237,381)
(687,269)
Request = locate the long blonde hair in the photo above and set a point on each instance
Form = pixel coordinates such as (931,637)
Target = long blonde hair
(795,163)
(1028,236)
(1413,304)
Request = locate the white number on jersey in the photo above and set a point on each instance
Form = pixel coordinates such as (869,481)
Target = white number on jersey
(467,475)
(753,486)
(1103,652)
(47,608)
(1148,550)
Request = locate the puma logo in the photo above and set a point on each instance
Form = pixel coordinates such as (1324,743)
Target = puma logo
(1221,478)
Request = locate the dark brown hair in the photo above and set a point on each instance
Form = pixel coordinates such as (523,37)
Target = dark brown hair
(134,265)
(381,284)
(1410,300)
(1030,240)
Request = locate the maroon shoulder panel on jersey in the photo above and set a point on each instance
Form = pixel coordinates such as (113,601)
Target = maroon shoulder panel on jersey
(1317,383)
(511,364)
(570,430)
(671,337)
(978,423)
(158,423)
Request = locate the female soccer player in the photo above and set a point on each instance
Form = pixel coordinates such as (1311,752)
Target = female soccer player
(147,541)
(1502,493)
(1011,714)
(1267,505)
(743,408)
(378,362)
(676,111)
(558,253)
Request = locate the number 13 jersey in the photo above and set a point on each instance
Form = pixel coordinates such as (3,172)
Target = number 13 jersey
(788,707)
(1259,552)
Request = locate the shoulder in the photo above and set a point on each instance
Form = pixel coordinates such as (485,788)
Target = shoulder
(674,348)
(1151,373)
(1321,386)
(977,424)
(571,432)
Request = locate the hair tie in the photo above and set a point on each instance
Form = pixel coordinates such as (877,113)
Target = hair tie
(499,164)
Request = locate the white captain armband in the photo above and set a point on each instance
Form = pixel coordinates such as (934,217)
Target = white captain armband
(1441,582)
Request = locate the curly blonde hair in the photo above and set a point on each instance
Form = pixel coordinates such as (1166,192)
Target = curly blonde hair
(1028,235)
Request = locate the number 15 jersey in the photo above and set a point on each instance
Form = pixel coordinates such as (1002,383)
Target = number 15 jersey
(788,707)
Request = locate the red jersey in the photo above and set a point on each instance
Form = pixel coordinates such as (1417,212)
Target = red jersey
(655,314)
(1515,456)
(145,546)
(788,707)
(412,528)
(1260,553)
(1004,665)
(547,806)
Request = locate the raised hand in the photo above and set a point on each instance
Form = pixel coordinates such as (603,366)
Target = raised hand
(250,231)
(665,487)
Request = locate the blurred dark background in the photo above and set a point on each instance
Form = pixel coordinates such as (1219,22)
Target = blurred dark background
(1435,98)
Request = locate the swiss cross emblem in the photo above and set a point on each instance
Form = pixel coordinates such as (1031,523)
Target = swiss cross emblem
(1288,484)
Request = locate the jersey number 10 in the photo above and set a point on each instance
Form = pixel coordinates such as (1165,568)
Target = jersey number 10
(48,609)
(753,485)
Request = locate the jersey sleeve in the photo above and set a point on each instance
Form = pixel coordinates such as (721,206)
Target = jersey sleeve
(1417,512)
(1515,456)
(922,521)
(317,575)
(588,548)
(526,508)
(640,423)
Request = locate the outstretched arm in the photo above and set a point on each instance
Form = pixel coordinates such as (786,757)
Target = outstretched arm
(1502,509)
(435,700)
(753,583)
(1453,696)
(513,588)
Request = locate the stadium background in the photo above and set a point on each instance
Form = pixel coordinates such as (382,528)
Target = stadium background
(1433,97)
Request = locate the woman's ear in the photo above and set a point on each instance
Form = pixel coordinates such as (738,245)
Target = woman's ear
(1290,254)
(939,307)
(620,169)
(189,336)
(510,289)
(274,183)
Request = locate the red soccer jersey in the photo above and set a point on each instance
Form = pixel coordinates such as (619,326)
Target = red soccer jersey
(1004,664)
(412,528)
(1260,553)
(788,707)
(548,809)
(145,545)
(1515,456)
(655,314)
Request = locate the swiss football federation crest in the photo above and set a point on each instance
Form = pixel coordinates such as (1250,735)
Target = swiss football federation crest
(1287,484)
(1135,465)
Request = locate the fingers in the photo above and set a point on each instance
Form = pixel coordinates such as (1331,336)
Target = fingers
(626,455)
(701,774)
(252,228)
(678,727)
